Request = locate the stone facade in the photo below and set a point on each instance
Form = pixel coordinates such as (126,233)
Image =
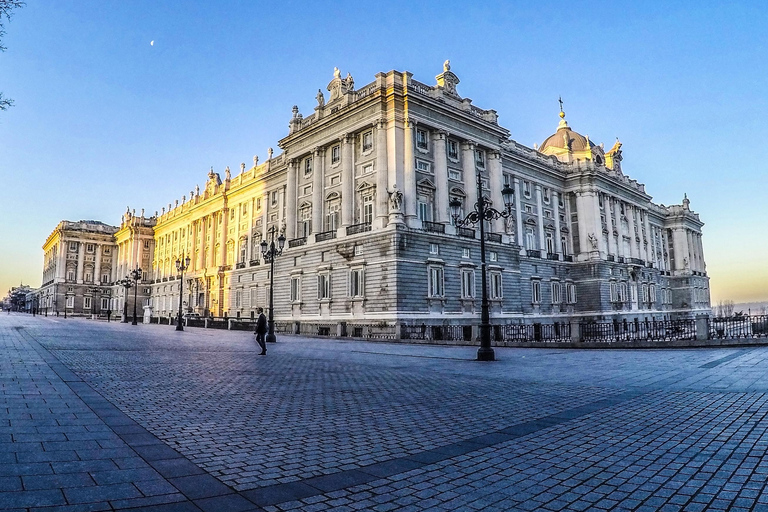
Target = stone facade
(361,192)
(78,269)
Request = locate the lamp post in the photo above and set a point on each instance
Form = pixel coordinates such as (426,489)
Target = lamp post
(483,212)
(135,275)
(125,283)
(270,251)
(181,266)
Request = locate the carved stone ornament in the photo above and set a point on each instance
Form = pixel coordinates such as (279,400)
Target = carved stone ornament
(447,80)
(340,86)
(593,241)
(347,251)
(395,200)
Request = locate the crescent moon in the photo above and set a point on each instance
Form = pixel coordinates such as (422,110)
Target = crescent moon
(152,43)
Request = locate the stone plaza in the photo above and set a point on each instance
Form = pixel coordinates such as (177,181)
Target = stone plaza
(109,416)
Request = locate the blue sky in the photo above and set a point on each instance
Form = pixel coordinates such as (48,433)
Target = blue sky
(104,120)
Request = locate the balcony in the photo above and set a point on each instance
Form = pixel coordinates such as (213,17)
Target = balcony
(325,235)
(296,242)
(357,228)
(433,227)
(620,259)
(240,265)
(493,237)
(254,263)
(533,253)
(465,232)
(568,257)
(610,257)
(636,261)
(553,256)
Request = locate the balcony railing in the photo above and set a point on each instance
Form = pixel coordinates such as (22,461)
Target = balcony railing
(636,261)
(610,257)
(325,235)
(433,227)
(240,265)
(493,237)
(357,228)
(254,263)
(620,259)
(296,242)
(465,232)
(567,257)
(533,253)
(553,256)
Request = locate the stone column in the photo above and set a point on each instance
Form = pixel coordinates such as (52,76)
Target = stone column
(318,170)
(97,265)
(441,177)
(609,223)
(518,214)
(61,263)
(540,213)
(567,203)
(470,175)
(265,216)
(701,252)
(558,248)
(665,249)
(630,213)
(496,184)
(680,246)
(648,237)
(691,250)
(409,176)
(585,214)
(382,182)
(80,261)
(223,236)
(639,228)
(601,246)
(347,181)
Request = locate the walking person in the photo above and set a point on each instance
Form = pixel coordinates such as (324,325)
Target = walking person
(261,331)
(109,314)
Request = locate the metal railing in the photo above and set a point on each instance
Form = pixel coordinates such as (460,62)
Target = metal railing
(493,237)
(297,242)
(325,235)
(465,232)
(556,332)
(660,330)
(254,263)
(553,256)
(433,227)
(533,253)
(358,228)
(743,326)
(436,332)
(240,264)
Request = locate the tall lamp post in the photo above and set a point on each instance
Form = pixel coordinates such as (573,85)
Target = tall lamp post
(483,212)
(270,251)
(135,275)
(181,266)
(125,283)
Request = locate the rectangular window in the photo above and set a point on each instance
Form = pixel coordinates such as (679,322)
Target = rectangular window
(295,289)
(335,154)
(104,303)
(367,169)
(453,150)
(536,292)
(622,292)
(493,256)
(545,194)
(367,141)
(70,301)
(570,290)
(614,292)
(454,174)
(90,248)
(86,303)
(556,298)
(73,246)
(436,281)
(467,284)
(425,211)
(323,286)
(356,284)
(422,166)
(238,298)
(70,275)
(496,288)
(367,208)
(307,167)
(480,158)
(434,249)
(421,139)
(307,190)
(465,253)
(254,297)
(652,292)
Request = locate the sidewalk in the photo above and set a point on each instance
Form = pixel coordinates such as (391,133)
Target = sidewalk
(99,416)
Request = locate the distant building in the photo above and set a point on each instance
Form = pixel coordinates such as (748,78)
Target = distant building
(361,192)
(77,268)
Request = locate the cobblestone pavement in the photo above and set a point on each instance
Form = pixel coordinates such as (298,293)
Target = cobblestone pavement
(99,416)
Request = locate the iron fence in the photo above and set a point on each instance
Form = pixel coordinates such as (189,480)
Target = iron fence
(537,332)
(651,330)
(436,332)
(743,326)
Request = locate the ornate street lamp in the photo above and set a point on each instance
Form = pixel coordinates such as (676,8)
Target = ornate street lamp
(125,283)
(181,266)
(269,251)
(135,274)
(483,212)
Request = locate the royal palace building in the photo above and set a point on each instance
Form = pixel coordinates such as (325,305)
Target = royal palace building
(362,192)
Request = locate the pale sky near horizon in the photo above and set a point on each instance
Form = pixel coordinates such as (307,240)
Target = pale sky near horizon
(103,119)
